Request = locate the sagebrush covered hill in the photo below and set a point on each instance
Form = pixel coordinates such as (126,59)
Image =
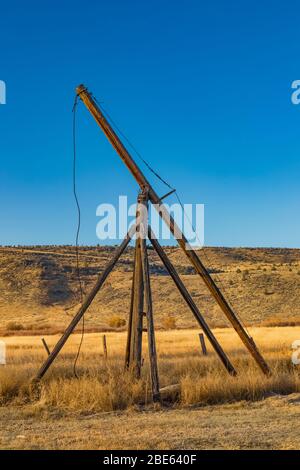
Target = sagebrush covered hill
(39,286)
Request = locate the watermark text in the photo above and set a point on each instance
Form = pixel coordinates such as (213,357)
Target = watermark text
(115,222)
(2,92)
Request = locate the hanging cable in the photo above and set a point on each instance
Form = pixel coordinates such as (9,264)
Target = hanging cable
(77,231)
(133,147)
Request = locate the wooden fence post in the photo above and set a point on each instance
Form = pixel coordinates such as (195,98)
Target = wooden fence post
(104,347)
(203,345)
(46,346)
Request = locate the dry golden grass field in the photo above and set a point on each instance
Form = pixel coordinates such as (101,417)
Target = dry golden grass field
(103,408)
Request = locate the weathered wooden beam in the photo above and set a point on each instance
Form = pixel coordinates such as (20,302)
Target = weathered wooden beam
(137,314)
(133,355)
(148,308)
(130,319)
(86,303)
(187,297)
(170,392)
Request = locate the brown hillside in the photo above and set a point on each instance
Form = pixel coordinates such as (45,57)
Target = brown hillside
(39,286)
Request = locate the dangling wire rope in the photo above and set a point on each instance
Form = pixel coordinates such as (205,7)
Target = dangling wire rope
(77,231)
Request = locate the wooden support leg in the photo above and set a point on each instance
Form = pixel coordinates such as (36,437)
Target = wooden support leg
(129,327)
(137,314)
(87,302)
(149,314)
(185,294)
(141,299)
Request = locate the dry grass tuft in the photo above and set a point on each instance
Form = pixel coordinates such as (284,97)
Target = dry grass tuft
(89,394)
(218,389)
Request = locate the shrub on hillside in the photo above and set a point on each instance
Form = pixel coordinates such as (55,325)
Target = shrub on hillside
(169,322)
(14,326)
(116,322)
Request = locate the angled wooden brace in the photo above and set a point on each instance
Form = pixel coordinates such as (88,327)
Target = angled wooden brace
(187,297)
(87,302)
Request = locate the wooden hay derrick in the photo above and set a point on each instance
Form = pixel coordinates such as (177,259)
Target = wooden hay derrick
(141,309)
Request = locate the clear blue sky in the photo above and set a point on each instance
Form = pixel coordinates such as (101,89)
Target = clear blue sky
(202,89)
